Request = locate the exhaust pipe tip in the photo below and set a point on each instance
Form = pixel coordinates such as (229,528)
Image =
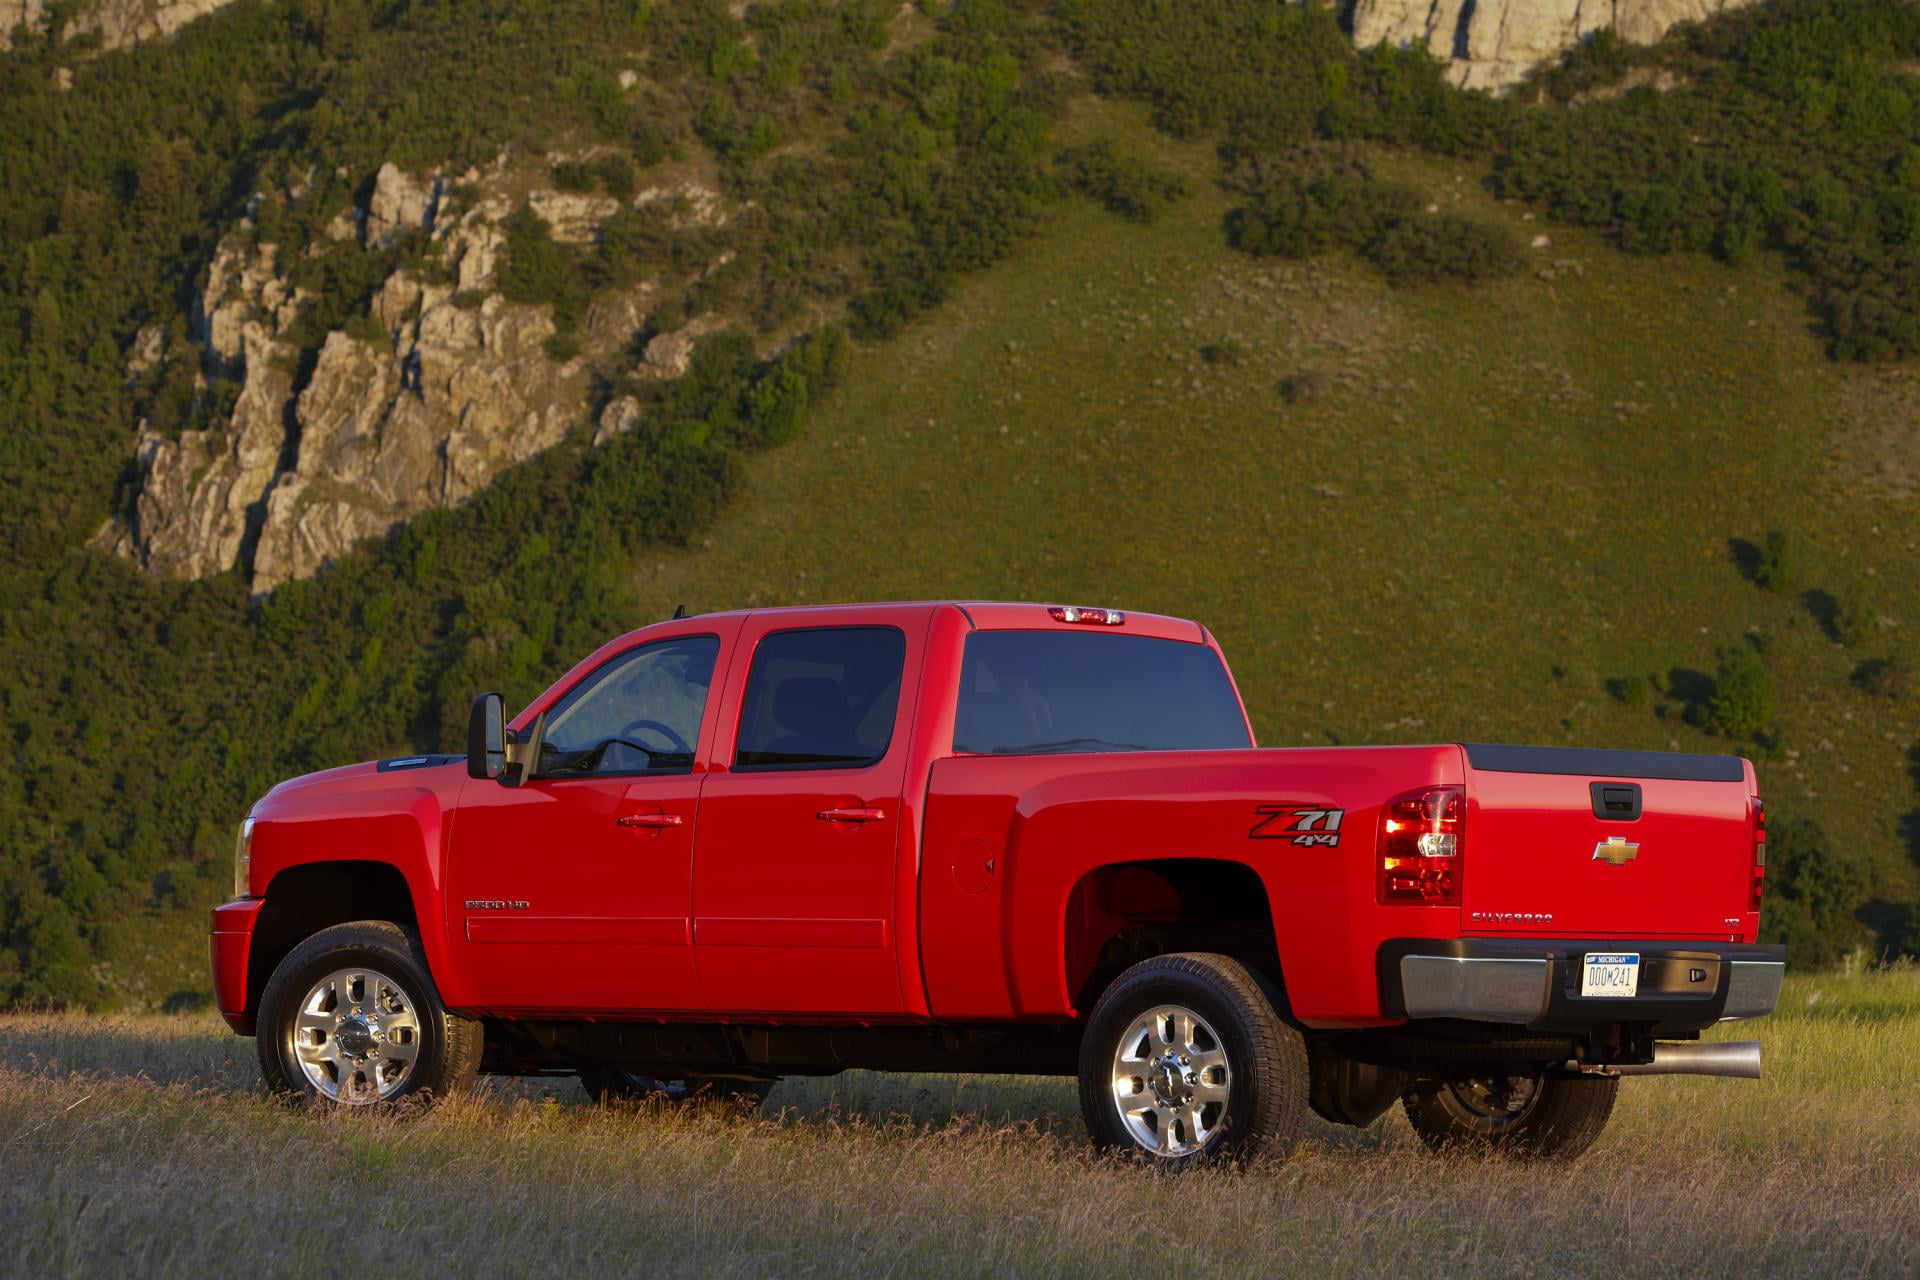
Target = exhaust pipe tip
(1736,1059)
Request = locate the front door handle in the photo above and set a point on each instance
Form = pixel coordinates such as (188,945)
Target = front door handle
(649,820)
(851,815)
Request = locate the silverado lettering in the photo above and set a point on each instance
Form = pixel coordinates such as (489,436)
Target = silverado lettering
(984,837)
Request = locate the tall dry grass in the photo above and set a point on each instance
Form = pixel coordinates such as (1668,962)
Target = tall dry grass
(139,1146)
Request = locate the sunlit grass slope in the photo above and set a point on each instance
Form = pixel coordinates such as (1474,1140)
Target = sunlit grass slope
(1500,498)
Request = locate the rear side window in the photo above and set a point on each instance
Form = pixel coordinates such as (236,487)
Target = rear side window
(821,699)
(1036,692)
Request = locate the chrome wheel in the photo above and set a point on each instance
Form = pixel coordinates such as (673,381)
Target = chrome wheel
(356,1036)
(1171,1081)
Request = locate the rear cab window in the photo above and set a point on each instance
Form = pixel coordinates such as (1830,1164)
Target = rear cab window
(1059,692)
(821,698)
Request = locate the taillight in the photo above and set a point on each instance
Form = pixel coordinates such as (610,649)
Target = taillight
(1757,886)
(1086,617)
(1422,835)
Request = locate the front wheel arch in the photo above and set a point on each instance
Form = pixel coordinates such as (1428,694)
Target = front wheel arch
(302,899)
(359,1033)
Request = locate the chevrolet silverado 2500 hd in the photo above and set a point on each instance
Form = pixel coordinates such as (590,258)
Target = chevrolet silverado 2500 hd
(998,838)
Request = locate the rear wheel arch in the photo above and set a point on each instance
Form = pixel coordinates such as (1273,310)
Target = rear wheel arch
(1120,913)
(307,897)
(1187,1056)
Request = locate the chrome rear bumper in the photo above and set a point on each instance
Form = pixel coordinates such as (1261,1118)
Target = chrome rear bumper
(1535,983)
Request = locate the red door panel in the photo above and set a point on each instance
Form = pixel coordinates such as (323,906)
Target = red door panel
(573,892)
(794,897)
(557,905)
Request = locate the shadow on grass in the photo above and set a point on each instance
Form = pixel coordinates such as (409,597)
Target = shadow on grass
(1689,687)
(185,1050)
(1746,558)
(1825,611)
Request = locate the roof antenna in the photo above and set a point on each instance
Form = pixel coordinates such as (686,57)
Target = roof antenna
(679,611)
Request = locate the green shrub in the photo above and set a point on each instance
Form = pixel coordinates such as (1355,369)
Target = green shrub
(1317,202)
(1743,701)
(1774,569)
(1631,690)
(1813,895)
(538,270)
(615,175)
(1854,616)
(368,329)
(1430,248)
(573,175)
(1124,185)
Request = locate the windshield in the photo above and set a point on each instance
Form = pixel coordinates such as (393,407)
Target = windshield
(1057,692)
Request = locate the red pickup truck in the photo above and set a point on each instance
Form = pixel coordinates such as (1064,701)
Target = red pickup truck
(998,838)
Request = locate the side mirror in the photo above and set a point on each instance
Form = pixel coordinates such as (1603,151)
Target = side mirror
(487,738)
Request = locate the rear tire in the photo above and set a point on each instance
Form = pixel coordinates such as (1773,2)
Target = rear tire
(1186,1058)
(351,1018)
(607,1085)
(1548,1116)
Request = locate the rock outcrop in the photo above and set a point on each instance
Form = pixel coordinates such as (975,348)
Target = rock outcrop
(116,22)
(1493,44)
(457,385)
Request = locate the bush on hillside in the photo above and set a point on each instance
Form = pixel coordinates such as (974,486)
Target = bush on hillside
(1126,186)
(1743,701)
(1814,895)
(1431,248)
(1773,570)
(1325,201)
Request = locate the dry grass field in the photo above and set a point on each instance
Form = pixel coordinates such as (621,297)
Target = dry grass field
(139,1146)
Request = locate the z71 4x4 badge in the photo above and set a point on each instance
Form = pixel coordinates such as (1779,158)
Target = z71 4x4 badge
(1300,823)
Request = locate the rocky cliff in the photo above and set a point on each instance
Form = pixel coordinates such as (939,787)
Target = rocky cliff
(449,384)
(116,22)
(1492,44)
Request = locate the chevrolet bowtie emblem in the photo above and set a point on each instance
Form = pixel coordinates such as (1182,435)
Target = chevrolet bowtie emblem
(1616,850)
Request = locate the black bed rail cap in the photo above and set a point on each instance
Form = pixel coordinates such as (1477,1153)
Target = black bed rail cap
(1597,763)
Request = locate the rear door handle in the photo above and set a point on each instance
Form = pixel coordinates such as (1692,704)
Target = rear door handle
(649,820)
(851,815)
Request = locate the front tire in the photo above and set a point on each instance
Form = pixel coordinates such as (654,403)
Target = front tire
(1186,1057)
(1546,1116)
(352,1018)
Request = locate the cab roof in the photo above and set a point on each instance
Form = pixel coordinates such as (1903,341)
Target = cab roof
(995,615)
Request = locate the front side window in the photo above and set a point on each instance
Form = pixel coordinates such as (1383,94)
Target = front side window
(821,699)
(1040,692)
(637,713)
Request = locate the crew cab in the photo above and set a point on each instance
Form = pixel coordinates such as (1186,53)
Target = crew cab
(990,837)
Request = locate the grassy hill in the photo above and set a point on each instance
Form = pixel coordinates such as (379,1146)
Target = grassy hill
(1536,500)
(1503,499)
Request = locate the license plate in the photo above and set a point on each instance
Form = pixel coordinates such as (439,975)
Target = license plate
(1611,973)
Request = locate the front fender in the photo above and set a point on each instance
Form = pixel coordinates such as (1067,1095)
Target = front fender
(401,819)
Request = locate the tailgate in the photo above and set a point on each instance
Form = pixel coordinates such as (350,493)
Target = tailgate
(1606,843)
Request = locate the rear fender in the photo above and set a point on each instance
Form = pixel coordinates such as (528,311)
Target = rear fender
(1011,837)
